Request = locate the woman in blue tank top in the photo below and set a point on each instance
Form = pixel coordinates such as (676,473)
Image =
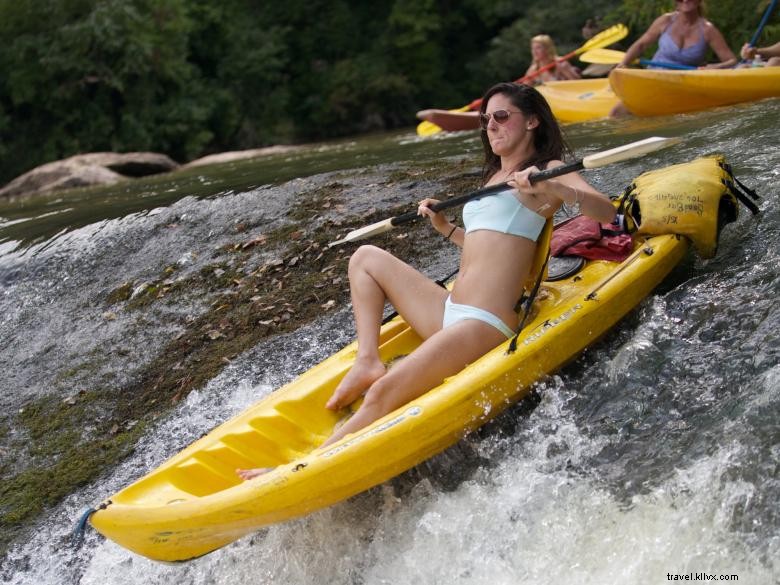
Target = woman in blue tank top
(683,37)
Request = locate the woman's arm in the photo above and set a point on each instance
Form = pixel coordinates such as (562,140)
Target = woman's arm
(648,38)
(457,235)
(770,51)
(440,222)
(430,114)
(766,53)
(720,47)
(571,189)
(565,70)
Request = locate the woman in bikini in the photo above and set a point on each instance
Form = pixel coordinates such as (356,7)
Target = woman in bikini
(683,37)
(520,135)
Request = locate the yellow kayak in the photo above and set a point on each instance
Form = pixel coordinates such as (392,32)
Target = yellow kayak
(195,503)
(654,92)
(578,100)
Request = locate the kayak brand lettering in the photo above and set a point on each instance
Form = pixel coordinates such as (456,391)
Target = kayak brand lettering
(549,324)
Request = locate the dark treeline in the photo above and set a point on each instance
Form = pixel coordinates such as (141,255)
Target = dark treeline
(191,77)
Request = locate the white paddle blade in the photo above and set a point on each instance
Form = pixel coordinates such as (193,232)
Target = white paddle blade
(368,231)
(627,151)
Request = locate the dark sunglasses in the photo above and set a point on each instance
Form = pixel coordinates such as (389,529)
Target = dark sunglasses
(500,116)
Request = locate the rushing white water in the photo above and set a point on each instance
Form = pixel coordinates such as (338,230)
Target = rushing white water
(532,515)
(655,455)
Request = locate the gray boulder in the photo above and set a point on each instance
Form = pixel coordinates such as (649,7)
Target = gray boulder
(237,155)
(85,170)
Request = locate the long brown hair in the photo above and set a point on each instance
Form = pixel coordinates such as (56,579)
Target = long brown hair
(549,143)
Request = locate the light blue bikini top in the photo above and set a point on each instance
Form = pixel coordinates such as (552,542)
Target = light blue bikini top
(502,212)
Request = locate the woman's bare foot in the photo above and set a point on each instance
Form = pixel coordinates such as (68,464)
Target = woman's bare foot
(364,373)
(247,474)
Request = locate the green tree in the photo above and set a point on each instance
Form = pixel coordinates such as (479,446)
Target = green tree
(190,77)
(114,76)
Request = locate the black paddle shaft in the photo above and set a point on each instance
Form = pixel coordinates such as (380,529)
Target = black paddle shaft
(492,190)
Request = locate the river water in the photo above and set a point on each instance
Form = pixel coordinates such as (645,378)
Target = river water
(655,454)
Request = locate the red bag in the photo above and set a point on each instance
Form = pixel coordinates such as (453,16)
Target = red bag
(583,236)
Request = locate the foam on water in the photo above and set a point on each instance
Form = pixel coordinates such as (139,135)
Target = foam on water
(530,518)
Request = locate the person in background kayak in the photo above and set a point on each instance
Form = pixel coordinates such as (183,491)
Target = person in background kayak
(520,136)
(590,28)
(770,55)
(544,54)
(684,37)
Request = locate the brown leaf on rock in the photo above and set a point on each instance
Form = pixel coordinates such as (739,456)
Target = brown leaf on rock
(258,241)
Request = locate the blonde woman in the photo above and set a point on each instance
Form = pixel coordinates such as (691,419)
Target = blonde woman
(543,54)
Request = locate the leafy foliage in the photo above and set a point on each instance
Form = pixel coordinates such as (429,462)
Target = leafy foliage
(190,77)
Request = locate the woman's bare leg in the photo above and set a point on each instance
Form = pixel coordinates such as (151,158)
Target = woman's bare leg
(444,354)
(375,277)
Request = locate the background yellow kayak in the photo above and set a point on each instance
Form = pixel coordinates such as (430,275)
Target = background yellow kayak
(578,100)
(654,92)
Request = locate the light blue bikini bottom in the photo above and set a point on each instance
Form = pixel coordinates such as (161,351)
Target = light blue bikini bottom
(454,312)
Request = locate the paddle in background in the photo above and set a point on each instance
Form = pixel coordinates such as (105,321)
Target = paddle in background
(767,13)
(612,57)
(606,37)
(592,161)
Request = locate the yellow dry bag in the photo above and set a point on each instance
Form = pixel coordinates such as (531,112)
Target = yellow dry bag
(694,199)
